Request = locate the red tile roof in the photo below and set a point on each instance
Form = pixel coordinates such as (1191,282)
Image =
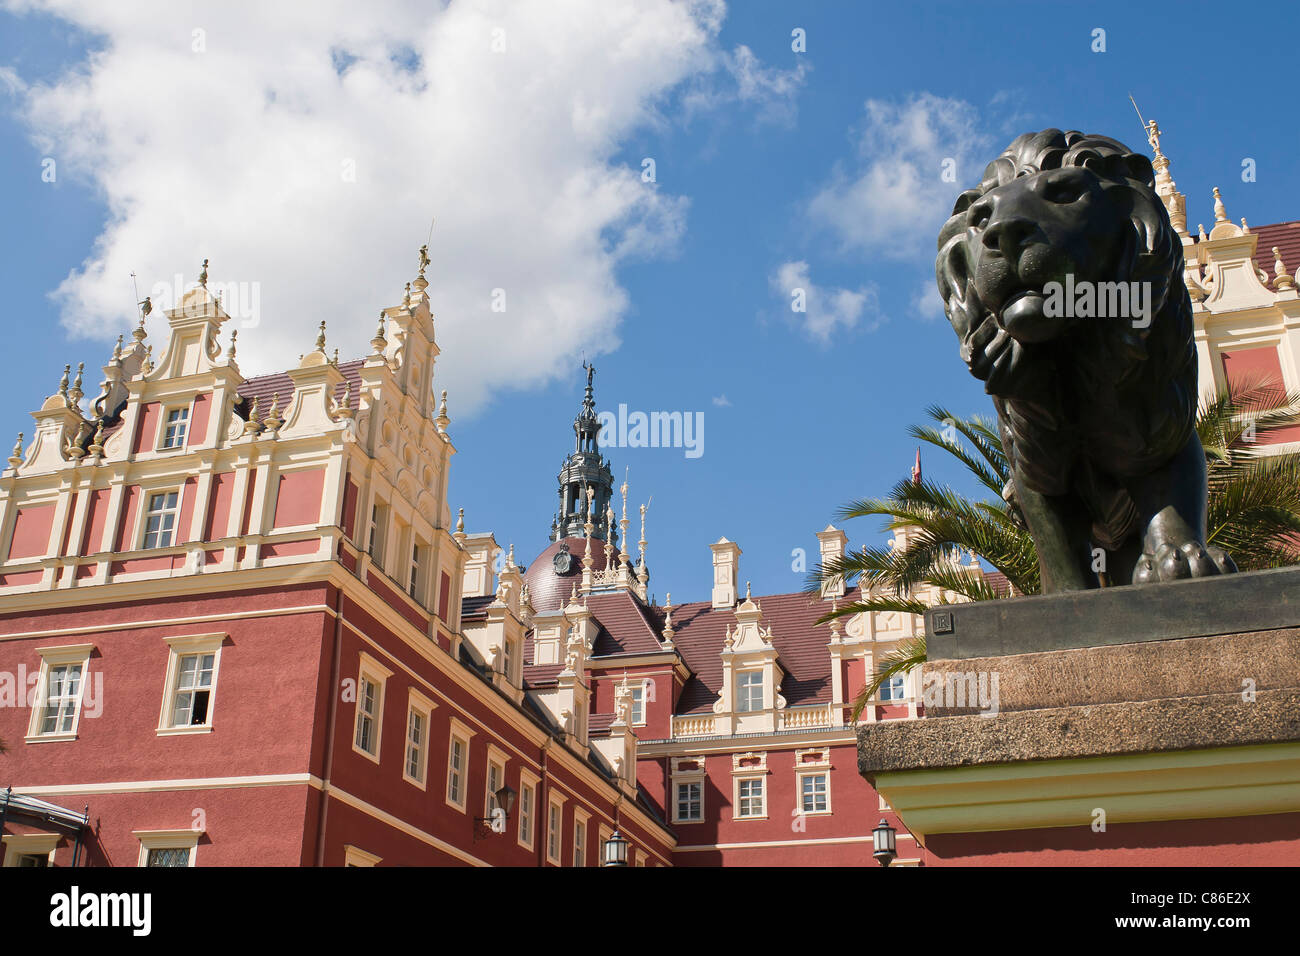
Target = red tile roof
(1284,235)
(801,648)
(265,387)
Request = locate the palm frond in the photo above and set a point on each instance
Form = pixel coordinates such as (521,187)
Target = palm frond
(910,653)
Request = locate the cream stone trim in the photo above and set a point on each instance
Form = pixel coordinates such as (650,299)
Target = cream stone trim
(766,844)
(821,758)
(18,845)
(177,647)
(164,786)
(167,840)
(377,673)
(1132,788)
(738,767)
(355,856)
(168,622)
(55,657)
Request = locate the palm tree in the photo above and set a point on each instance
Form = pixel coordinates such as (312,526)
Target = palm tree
(1253,513)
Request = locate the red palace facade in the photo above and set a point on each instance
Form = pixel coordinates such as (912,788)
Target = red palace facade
(238,626)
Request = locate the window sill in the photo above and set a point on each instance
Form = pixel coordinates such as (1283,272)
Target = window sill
(50,738)
(182,731)
(688,822)
(373,758)
(747,819)
(418,784)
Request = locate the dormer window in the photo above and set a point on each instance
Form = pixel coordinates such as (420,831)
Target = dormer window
(160,519)
(175,427)
(749,692)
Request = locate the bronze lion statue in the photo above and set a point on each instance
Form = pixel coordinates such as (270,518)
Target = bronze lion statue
(1062,276)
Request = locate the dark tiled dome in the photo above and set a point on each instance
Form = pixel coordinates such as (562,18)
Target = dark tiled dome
(547,589)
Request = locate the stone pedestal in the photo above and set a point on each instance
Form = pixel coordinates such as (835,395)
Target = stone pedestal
(1169,714)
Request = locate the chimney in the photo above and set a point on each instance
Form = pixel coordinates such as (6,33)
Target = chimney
(726,570)
(832,542)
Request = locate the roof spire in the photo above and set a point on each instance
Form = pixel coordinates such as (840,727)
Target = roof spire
(916,469)
(584,469)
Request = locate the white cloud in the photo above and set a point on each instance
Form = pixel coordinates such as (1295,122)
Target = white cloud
(722,401)
(927,303)
(770,91)
(826,311)
(892,199)
(239,153)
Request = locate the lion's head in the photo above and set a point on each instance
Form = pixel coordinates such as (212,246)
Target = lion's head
(1052,205)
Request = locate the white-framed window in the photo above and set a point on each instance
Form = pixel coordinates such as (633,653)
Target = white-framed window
(415,764)
(167,847)
(892,689)
(814,792)
(176,422)
(496,779)
(160,518)
(689,805)
(510,652)
(458,764)
(638,702)
(29,850)
(355,856)
(749,691)
(56,712)
(554,829)
(190,688)
(579,838)
(378,533)
(527,808)
(367,731)
(750,798)
(415,577)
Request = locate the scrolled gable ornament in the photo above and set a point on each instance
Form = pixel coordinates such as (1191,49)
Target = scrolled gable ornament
(1062,277)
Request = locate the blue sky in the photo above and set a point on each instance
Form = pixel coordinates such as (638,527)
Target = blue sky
(771,167)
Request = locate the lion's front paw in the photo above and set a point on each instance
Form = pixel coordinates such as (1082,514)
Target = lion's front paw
(1173,561)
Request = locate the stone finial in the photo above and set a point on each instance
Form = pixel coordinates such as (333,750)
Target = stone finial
(253,425)
(1245,229)
(272,420)
(97,443)
(147,365)
(406,298)
(1200,228)
(16,456)
(510,556)
(442,421)
(335,360)
(424,259)
(460,520)
(379,343)
(835,622)
(230,352)
(1283,281)
(1220,211)
(63,382)
(117,351)
(75,393)
(320,339)
(203,276)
